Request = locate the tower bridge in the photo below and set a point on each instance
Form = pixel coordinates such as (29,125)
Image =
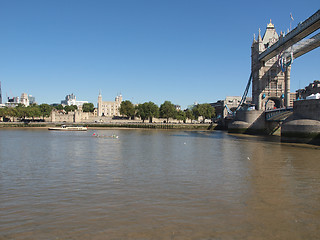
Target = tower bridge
(271,58)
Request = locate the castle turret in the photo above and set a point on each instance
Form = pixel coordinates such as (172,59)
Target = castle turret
(99,105)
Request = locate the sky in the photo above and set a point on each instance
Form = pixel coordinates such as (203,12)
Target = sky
(183,51)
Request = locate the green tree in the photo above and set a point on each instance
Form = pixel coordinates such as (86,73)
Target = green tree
(33,111)
(11,112)
(206,111)
(181,116)
(189,114)
(167,110)
(71,108)
(21,111)
(88,107)
(59,107)
(3,112)
(127,109)
(45,110)
(140,112)
(147,110)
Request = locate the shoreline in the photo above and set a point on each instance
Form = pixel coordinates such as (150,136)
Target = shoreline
(119,125)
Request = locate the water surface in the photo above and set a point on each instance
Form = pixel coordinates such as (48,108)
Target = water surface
(156,184)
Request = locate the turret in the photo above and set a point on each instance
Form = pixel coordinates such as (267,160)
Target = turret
(99,105)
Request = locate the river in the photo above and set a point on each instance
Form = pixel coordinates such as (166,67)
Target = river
(156,184)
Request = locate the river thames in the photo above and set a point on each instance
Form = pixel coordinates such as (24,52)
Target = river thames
(156,184)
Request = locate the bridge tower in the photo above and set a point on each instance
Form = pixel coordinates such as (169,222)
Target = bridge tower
(270,86)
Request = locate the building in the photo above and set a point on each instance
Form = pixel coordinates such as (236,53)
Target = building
(32,99)
(312,88)
(71,100)
(14,101)
(24,99)
(229,104)
(270,79)
(177,107)
(108,108)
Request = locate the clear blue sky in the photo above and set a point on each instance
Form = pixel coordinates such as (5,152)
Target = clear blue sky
(183,51)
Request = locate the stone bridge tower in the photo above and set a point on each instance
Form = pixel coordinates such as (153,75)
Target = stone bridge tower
(270,86)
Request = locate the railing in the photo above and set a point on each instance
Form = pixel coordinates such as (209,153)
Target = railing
(292,37)
(278,115)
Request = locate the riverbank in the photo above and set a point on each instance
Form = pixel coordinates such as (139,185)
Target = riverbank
(185,126)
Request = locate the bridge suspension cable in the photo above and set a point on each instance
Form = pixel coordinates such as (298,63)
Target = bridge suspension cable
(244,96)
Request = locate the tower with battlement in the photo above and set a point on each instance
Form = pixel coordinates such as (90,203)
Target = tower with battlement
(270,84)
(109,108)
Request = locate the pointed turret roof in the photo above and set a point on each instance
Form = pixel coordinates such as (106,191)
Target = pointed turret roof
(270,36)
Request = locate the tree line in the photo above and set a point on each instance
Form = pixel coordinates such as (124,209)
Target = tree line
(150,110)
(37,111)
(146,111)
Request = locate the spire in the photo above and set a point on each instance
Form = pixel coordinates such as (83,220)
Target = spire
(254,38)
(259,36)
(270,25)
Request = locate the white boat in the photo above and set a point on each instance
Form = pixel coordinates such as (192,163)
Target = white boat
(69,128)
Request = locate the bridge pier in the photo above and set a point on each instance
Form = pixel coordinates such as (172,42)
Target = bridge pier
(252,122)
(304,124)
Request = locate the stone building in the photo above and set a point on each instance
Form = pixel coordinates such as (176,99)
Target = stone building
(109,108)
(312,88)
(270,82)
(77,116)
(230,103)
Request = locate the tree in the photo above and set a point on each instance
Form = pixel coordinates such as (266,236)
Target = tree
(206,111)
(88,107)
(59,107)
(141,112)
(3,112)
(167,110)
(147,110)
(189,114)
(45,110)
(12,112)
(21,111)
(71,108)
(33,111)
(181,116)
(127,109)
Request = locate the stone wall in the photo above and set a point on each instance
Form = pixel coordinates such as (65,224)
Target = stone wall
(304,124)
(307,109)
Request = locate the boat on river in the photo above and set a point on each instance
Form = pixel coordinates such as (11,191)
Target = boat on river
(69,128)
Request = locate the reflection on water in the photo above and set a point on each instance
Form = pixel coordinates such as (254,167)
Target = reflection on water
(151,184)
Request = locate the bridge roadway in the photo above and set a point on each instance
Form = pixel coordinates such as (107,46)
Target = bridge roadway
(278,115)
(303,29)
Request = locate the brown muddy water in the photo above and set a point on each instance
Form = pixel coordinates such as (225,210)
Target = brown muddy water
(156,184)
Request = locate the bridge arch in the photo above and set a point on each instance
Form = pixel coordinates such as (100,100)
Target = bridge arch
(273,102)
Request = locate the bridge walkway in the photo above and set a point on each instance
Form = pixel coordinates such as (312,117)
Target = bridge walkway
(278,115)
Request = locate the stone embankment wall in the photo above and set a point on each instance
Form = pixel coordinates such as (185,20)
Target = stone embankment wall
(304,124)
